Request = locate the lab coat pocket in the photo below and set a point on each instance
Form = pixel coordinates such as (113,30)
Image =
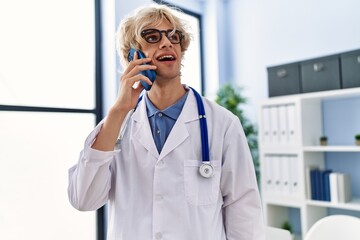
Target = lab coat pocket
(200,190)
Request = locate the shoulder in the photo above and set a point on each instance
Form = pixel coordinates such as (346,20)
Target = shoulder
(218,113)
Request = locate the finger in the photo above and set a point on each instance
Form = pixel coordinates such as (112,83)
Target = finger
(138,87)
(128,79)
(139,68)
(130,82)
(141,77)
(136,62)
(141,61)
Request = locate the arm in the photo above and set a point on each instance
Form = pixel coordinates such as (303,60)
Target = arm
(243,219)
(127,100)
(90,179)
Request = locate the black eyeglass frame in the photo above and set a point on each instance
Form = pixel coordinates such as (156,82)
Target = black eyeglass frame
(167,32)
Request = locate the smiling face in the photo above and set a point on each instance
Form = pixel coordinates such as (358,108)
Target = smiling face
(129,33)
(165,54)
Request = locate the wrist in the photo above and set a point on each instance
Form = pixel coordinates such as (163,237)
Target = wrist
(119,109)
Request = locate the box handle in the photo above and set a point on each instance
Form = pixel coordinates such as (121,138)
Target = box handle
(318,67)
(281,73)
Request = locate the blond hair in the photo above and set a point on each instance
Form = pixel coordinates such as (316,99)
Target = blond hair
(129,31)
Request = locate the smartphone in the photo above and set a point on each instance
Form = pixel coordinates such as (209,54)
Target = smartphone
(151,74)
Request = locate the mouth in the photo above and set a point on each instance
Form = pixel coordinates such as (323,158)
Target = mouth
(166,58)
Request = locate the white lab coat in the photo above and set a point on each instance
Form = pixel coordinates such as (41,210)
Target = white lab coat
(162,196)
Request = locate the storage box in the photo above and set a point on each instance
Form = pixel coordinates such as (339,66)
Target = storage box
(284,79)
(350,69)
(320,74)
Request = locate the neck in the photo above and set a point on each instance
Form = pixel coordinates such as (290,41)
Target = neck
(163,96)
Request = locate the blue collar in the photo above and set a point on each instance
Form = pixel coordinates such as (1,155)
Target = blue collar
(172,111)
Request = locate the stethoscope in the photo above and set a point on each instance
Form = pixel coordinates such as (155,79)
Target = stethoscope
(206,170)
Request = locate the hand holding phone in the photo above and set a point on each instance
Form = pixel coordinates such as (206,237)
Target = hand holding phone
(151,74)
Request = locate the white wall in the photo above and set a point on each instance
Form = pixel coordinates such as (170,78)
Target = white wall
(273,32)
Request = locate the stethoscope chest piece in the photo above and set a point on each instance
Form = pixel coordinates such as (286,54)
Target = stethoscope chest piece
(206,170)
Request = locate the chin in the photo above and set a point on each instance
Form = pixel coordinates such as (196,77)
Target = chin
(169,75)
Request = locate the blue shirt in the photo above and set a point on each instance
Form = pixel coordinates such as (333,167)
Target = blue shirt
(161,122)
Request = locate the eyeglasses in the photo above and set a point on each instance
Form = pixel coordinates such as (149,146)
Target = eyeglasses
(155,35)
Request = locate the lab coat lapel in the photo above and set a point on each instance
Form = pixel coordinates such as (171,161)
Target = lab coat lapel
(179,132)
(142,131)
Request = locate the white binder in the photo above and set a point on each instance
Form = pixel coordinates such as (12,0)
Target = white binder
(291,123)
(344,187)
(277,173)
(274,121)
(283,125)
(266,125)
(340,187)
(334,189)
(294,175)
(285,173)
(268,174)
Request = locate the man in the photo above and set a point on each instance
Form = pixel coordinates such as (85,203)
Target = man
(150,179)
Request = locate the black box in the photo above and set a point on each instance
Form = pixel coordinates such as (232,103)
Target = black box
(320,74)
(350,69)
(284,79)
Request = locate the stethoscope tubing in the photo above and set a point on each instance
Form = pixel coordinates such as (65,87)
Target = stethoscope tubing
(203,127)
(206,170)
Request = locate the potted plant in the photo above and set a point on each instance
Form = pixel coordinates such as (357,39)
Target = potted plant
(323,140)
(231,98)
(357,139)
(287,226)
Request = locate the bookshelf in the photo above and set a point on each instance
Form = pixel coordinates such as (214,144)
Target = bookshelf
(289,131)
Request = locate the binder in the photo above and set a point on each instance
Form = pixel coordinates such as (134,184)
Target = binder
(314,183)
(291,123)
(318,183)
(344,189)
(334,194)
(294,175)
(283,122)
(326,185)
(266,125)
(268,174)
(274,125)
(277,173)
(308,181)
(285,173)
(340,188)
(320,186)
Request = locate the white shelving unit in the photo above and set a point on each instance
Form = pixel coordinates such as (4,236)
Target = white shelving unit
(289,133)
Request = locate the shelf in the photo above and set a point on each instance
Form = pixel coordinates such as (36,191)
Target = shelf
(331,148)
(283,201)
(353,205)
(309,116)
(281,149)
(332,94)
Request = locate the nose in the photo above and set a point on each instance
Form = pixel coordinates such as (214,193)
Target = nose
(165,42)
